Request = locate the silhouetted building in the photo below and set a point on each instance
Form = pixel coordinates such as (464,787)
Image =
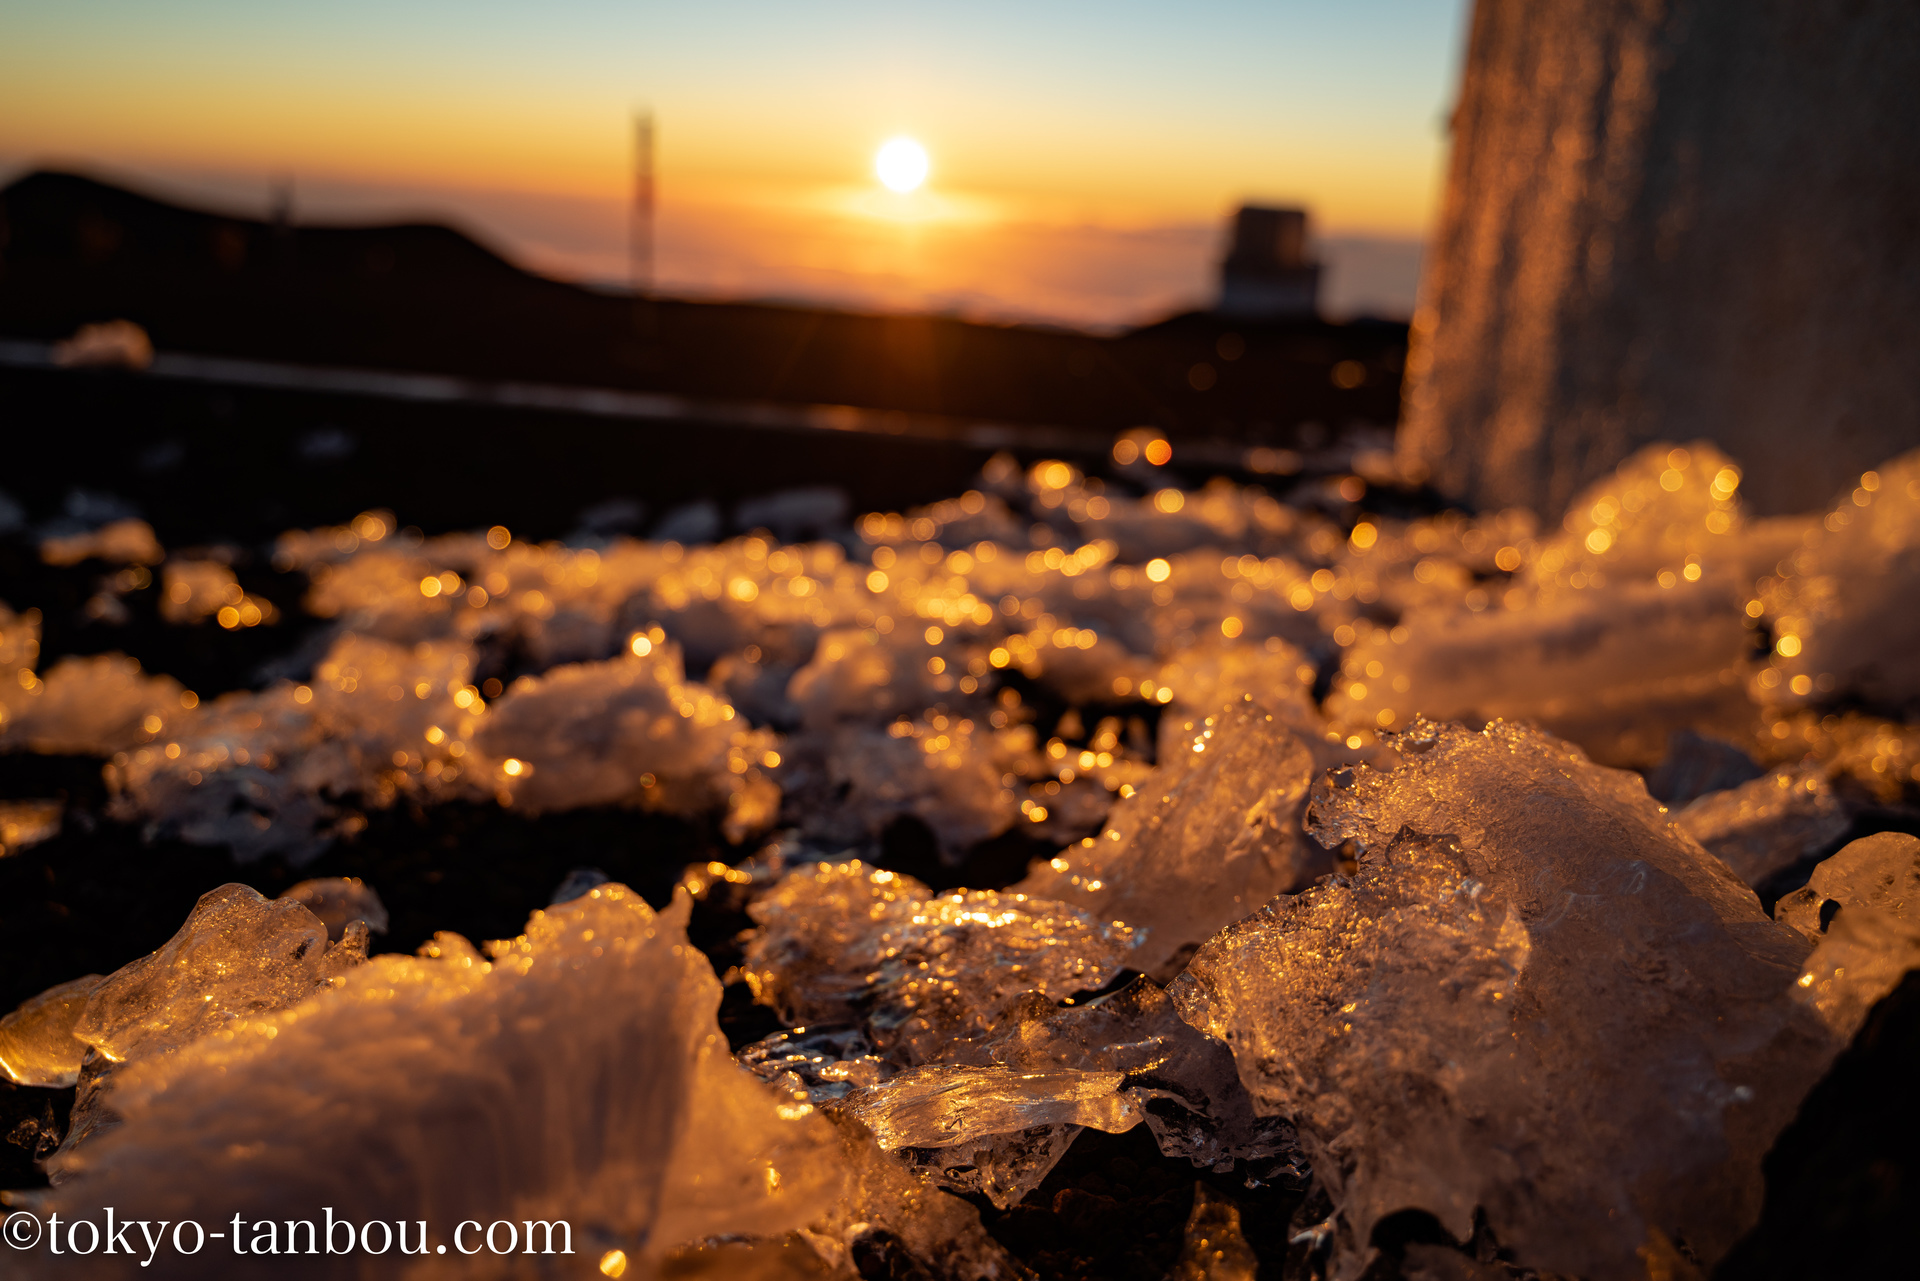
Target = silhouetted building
(1266,274)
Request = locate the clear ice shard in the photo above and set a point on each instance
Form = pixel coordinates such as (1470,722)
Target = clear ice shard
(238,956)
(1862,909)
(339,901)
(823,1064)
(945,1106)
(579,1076)
(37,1045)
(1208,837)
(996,1113)
(1769,824)
(1532,997)
(845,944)
(1845,607)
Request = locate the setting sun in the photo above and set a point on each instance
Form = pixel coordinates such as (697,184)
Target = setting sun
(901,164)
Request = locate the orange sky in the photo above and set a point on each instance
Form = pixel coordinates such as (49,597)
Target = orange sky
(1053,129)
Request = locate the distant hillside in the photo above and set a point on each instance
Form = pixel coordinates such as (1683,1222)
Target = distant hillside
(427,298)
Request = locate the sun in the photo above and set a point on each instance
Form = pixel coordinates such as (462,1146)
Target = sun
(901,164)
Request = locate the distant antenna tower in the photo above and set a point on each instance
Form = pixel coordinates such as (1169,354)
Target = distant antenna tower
(281,210)
(640,230)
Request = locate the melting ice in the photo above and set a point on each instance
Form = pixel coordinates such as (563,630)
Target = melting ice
(1358,939)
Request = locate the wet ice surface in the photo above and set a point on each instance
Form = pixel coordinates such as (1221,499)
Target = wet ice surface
(1768,824)
(849,944)
(1626,625)
(1497,980)
(995,1113)
(37,1045)
(237,956)
(1206,839)
(1862,909)
(1592,1013)
(1843,601)
(451,1086)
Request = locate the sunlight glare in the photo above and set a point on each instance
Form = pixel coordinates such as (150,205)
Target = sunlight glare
(901,164)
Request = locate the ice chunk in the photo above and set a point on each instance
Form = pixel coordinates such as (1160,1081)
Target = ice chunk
(862,675)
(1615,670)
(339,901)
(1667,509)
(267,771)
(1769,824)
(579,1076)
(24,823)
(1845,609)
(845,944)
(948,771)
(1207,677)
(1185,1082)
(91,706)
(1215,1248)
(1862,907)
(37,1045)
(251,771)
(824,1064)
(1532,998)
(19,650)
(121,542)
(891,1223)
(381,705)
(1208,837)
(1863,956)
(1881,872)
(191,590)
(631,731)
(1626,626)
(967,521)
(990,1129)
(238,955)
(995,1114)
(1001,1167)
(380,591)
(941,1106)
(1868,758)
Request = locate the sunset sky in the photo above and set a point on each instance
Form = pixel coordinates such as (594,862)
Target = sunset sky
(1083,155)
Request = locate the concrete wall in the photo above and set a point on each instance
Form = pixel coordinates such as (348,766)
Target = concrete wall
(1675,219)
